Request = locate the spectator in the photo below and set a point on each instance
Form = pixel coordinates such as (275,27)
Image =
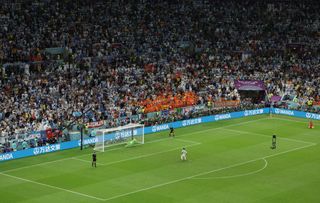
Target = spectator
(120,59)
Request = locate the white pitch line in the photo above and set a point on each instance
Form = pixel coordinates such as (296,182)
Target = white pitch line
(290,120)
(145,155)
(187,141)
(75,157)
(107,164)
(264,135)
(204,173)
(86,161)
(153,141)
(239,175)
(188,134)
(51,186)
(159,185)
(34,165)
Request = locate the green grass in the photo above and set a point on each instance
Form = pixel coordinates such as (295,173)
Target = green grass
(228,161)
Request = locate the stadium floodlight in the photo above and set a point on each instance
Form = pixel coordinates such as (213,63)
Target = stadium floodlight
(118,135)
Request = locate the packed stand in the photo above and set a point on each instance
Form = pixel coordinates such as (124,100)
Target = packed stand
(127,58)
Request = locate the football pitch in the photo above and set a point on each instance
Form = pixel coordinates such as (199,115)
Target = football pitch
(228,161)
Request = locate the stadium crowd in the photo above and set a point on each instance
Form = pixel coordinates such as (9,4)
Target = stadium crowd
(123,58)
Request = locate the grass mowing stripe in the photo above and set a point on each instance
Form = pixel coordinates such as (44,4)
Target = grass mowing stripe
(174,179)
(291,120)
(141,156)
(153,141)
(239,175)
(86,161)
(187,141)
(264,135)
(205,173)
(107,164)
(54,187)
(74,157)
(34,165)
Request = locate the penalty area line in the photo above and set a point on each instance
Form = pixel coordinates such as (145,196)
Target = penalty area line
(239,175)
(86,161)
(153,141)
(53,187)
(139,157)
(265,135)
(205,173)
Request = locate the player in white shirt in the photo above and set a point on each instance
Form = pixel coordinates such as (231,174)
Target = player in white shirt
(184,154)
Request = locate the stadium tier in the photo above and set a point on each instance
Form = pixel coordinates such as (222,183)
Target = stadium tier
(130,61)
(94,74)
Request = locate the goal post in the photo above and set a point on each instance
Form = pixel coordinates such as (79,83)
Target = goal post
(119,135)
(99,141)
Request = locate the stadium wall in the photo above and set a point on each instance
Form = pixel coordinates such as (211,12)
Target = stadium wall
(157,128)
(299,114)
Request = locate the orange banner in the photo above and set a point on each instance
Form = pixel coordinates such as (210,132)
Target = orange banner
(164,102)
(231,103)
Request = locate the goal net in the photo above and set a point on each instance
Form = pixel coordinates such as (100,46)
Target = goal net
(119,135)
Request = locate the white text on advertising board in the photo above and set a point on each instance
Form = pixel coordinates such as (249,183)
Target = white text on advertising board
(191,122)
(88,141)
(313,116)
(125,133)
(222,117)
(46,149)
(4,157)
(157,128)
(285,112)
(253,112)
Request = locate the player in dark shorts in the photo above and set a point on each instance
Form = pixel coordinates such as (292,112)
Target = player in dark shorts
(94,159)
(171,133)
(274,142)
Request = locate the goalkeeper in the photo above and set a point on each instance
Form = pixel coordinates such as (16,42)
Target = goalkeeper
(132,143)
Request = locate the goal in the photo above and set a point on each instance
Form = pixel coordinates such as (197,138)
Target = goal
(119,135)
